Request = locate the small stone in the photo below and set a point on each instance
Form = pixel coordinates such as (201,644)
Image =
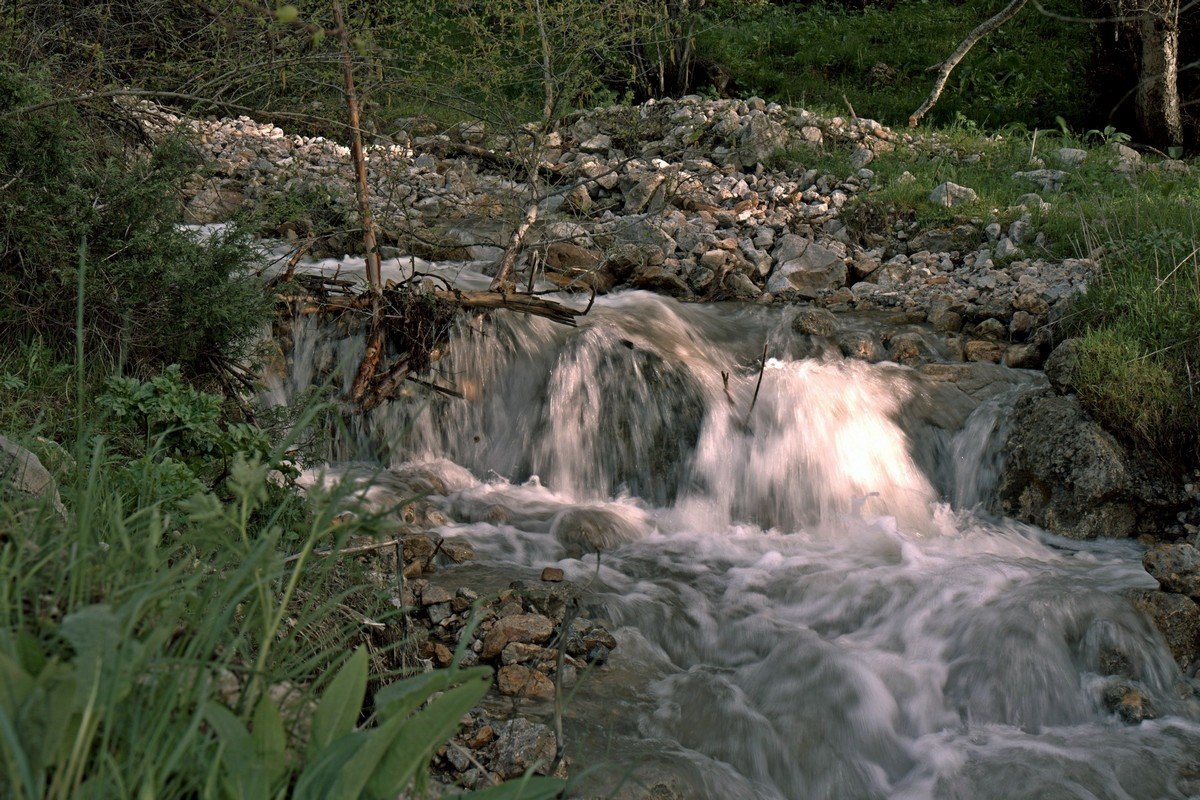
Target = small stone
(552,575)
(434,595)
(984,351)
(598,655)
(439,612)
(520,653)
(526,628)
(520,744)
(516,680)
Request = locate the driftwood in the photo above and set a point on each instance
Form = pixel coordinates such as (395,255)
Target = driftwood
(513,250)
(406,327)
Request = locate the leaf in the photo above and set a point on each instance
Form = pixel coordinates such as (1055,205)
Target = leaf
(287,14)
(424,732)
(341,703)
(321,777)
(95,634)
(270,741)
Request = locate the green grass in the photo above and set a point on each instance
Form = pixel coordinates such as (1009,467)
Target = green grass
(815,55)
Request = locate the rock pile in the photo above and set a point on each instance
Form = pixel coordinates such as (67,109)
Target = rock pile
(686,197)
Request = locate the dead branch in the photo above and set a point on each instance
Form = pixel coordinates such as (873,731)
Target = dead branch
(526,304)
(513,251)
(361,189)
(939,85)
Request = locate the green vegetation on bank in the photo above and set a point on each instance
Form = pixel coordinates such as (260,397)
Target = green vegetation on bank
(176,628)
(822,56)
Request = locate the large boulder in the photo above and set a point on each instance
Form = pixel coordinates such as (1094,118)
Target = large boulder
(806,268)
(22,475)
(1064,472)
(1178,619)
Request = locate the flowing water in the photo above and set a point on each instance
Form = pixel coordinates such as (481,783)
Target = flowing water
(810,598)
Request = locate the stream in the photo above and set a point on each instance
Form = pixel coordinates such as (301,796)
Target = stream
(810,597)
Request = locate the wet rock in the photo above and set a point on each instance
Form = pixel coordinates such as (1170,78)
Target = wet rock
(860,345)
(552,575)
(815,322)
(593,529)
(1064,472)
(1128,703)
(657,279)
(1175,566)
(1177,618)
(524,628)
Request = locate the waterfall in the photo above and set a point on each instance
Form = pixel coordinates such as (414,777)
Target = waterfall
(811,598)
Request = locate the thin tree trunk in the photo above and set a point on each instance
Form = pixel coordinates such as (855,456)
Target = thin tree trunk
(1157,103)
(939,85)
(513,250)
(547,72)
(361,188)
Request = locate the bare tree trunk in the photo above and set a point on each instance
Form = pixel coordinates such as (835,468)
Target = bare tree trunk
(1157,103)
(513,251)
(361,189)
(939,85)
(547,72)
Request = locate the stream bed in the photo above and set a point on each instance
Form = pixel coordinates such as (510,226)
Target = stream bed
(810,597)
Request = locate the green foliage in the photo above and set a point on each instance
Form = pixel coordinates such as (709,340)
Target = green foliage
(1140,322)
(178,654)
(814,54)
(153,294)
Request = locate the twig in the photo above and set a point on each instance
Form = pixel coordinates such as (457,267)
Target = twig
(754,401)
(560,742)
(939,85)
(347,551)
(846,100)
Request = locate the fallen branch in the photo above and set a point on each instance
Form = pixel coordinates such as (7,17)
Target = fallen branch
(960,53)
(526,304)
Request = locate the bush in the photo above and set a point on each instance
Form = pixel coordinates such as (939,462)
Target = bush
(80,197)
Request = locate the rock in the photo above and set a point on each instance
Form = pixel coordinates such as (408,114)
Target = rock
(860,345)
(1022,356)
(520,745)
(1176,567)
(593,529)
(1177,618)
(435,594)
(1064,472)
(814,322)
(212,204)
(552,575)
(578,266)
(951,194)
(1128,703)
(1070,156)
(984,351)
(646,193)
(599,143)
(22,474)
(1050,179)
(1128,159)
(1005,248)
(806,268)
(1062,366)
(524,628)
(657,279)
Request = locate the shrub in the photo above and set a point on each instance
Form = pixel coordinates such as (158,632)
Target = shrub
(82,206)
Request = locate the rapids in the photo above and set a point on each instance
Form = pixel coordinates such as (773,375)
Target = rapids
(810,596)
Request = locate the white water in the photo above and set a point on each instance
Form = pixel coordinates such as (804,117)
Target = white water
(808,600)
